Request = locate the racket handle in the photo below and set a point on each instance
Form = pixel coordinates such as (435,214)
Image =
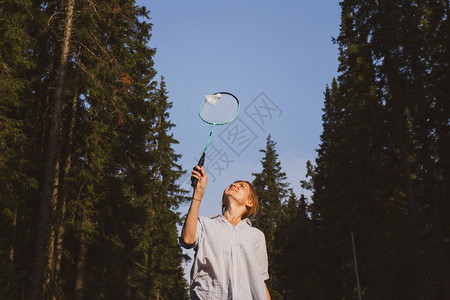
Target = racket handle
(200,163)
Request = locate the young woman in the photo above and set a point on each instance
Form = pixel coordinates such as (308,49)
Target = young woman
(230,255)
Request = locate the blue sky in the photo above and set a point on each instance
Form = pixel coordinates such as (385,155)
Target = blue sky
(275,56)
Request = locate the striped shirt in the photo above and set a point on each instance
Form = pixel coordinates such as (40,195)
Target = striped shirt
(230,262)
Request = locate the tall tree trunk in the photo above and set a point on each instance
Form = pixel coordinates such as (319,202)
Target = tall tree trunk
(51,159)
(13,241)
(58,256)
(129,281)
(81,265)
(13,237)
(149,277)
(62,208)
(52,226)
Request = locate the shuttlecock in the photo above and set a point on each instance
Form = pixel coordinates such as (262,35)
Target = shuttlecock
(212,99)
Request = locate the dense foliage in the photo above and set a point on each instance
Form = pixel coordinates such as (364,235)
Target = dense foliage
(88,194)
(272,189)
(382,169)
(383,161)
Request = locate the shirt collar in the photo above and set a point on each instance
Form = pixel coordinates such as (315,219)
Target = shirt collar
(221,217)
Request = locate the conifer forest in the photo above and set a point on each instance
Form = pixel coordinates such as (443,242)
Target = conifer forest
(89,191)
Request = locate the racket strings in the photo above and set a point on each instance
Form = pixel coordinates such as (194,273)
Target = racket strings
(223,111)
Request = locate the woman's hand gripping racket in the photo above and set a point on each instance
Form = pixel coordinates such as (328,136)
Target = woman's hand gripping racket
(217,109)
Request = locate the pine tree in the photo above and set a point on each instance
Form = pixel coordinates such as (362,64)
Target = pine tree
(17,143)
(433,133)
(105,191)
(379,149)
(272,190)
(51,170)
(346,196)
(164,275)
(295,262)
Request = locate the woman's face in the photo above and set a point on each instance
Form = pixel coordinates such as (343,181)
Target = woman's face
(239,191)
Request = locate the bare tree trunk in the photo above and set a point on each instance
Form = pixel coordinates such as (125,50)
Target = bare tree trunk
(13,241)
(51,244)
(51,159)
(62,209)
(81,265)
(58,256)
(129,280)
(84,244)
(13,238)
(58,205)
(149,277)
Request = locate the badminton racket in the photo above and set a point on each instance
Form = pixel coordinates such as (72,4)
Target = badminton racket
(217,109)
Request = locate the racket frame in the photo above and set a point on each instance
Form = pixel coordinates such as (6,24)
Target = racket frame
(221,123)
(194,181)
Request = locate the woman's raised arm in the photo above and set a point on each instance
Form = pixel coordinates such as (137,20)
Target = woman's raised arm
(190,225)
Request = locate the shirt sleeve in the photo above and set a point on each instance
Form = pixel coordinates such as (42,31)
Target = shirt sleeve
(198,235)
(261,255)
